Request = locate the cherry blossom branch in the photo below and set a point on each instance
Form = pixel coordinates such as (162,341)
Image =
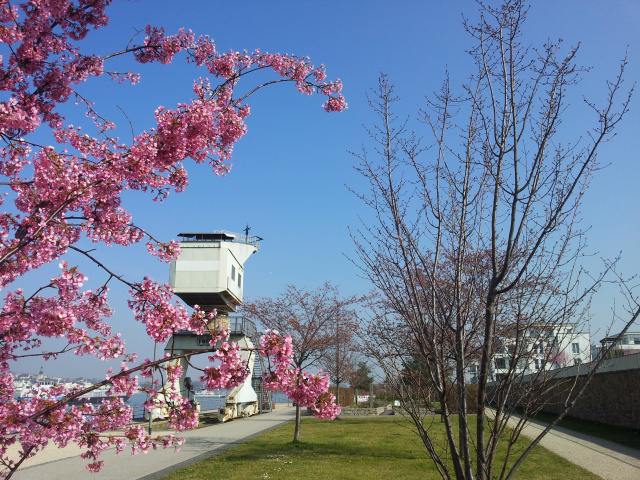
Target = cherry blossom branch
(68,398)
(103,266)
(61,197)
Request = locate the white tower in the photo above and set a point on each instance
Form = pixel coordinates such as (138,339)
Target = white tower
(210,273)
(210,269)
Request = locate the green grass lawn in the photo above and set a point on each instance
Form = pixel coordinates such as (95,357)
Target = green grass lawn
(349,448)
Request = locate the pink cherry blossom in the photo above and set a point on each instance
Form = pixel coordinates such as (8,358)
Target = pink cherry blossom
(60,198)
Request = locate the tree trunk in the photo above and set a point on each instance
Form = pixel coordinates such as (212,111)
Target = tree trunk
(296,434)
(463,426)
(485,364)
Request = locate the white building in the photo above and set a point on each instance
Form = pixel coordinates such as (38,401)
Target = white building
(535,348)
(627,344)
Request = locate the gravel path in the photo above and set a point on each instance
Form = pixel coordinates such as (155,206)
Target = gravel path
(609,460)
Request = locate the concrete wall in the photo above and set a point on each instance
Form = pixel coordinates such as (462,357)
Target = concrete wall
(612,397)
(361,412)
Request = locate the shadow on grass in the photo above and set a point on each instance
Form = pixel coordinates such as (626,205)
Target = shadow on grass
(627,437)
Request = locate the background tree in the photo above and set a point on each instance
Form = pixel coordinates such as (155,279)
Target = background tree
(339,360)
(559,358)
(361,378)
(67,196)
(475,237)
(309,317)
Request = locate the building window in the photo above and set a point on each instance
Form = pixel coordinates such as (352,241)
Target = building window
(537,362)
(636,340)
(233,272)
(625,341)
(501,363)
(240,280)
(575,348)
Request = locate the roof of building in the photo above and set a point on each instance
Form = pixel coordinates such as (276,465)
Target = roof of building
(614,336)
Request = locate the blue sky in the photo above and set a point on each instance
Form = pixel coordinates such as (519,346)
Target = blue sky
(290,170)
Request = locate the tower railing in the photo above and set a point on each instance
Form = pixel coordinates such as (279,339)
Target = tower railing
(240,325)
(221,236)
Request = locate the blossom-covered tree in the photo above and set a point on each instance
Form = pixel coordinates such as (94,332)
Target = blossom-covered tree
(61,197)
(559,358)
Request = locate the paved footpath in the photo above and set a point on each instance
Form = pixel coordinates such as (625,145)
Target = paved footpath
(608,460)
(64,464)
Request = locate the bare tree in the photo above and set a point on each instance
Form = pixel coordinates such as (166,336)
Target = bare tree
(310,318)
(340,359)
(475,244)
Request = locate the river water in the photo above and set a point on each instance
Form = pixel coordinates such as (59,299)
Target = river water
(206,402)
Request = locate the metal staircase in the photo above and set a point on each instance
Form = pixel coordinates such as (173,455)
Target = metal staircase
(265,397)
